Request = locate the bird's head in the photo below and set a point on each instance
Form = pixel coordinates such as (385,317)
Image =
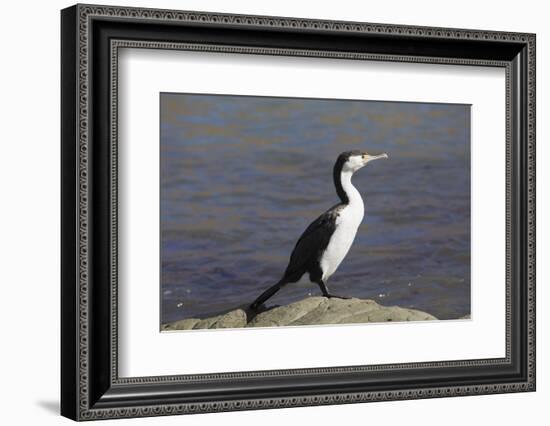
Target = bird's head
(351,161)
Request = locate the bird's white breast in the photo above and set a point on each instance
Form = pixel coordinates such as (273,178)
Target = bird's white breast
(342,238)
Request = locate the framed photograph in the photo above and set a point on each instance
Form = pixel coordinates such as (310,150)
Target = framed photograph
(263,212)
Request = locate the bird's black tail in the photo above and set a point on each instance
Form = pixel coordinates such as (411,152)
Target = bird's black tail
(267,294)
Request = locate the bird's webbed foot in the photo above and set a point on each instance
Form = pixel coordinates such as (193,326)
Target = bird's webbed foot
(326,293)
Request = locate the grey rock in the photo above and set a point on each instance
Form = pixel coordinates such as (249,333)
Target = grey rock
(232,319)
(186,324)
(335,311)
(284,315)
(308,311)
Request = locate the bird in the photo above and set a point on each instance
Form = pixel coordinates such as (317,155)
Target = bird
(327,240)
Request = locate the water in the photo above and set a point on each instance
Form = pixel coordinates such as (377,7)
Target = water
(242,177)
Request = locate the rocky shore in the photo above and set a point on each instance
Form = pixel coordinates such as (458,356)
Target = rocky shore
(309,311)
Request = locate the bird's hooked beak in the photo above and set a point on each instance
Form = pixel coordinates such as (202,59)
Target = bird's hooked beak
(367,157)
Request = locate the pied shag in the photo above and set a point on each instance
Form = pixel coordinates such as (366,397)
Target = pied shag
(326,241)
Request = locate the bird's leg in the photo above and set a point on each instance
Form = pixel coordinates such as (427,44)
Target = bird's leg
(326,293)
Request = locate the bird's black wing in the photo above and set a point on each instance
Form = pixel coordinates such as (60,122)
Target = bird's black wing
(312,243)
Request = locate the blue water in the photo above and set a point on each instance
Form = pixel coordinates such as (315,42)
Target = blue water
(242,177)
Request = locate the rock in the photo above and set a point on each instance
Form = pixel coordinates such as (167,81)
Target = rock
(233,319)
(308,311)
(186,324)
(284,315)
(387,314)
(320,310)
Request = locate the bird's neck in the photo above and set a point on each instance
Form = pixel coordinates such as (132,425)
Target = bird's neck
(346,191)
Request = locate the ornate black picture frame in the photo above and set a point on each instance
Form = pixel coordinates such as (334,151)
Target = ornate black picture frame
(91,387)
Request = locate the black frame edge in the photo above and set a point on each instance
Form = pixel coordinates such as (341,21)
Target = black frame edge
(69,319)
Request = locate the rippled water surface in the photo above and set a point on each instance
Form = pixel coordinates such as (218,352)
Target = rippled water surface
(242,177)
